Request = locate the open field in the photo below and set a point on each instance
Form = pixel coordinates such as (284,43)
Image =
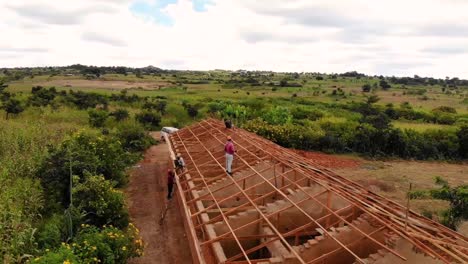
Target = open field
(313,90)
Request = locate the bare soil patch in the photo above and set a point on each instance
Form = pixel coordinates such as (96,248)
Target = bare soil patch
(110,85)
(330,161)
(146,196)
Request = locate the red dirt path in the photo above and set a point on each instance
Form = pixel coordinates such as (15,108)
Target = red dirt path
(329,161)
(146,197)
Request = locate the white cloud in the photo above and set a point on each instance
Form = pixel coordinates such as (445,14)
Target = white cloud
(376,37)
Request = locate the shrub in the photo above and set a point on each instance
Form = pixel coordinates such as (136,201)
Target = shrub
(120,114)
(149,119)
(306,113)
(366,88)
(445,109)
(41,96)
(12,106)
(64,254)
(133,137)
(192,111)
(101,203)
(50,232)
(84,100)
(457,196)
(81,153)
(107,245)
(216,107)
(462,135)
(277,116)
(97,118)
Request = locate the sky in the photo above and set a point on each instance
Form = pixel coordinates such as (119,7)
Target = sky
(384,37)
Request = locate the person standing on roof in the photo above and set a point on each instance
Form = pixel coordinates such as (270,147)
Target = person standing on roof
(227,123)
(179,163)
(229,150)
(170,183)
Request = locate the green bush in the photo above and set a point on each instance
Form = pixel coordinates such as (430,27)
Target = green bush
(41,96)
(462,135)
(81,153)
(95,245)
(51,232)
(133,137)
(99,201)
(278,116)
(97,118)
(108,245)
(120,114)
(306,113)
(20,205)
(149,119)
(64,254)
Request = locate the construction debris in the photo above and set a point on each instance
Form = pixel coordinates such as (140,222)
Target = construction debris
(282,208)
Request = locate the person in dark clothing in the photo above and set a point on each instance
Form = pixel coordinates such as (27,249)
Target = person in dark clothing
(227,123)
(170,183)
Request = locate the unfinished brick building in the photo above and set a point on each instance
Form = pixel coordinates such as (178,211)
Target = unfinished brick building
(281,208)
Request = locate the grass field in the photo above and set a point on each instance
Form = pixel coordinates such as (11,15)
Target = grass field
(161,85)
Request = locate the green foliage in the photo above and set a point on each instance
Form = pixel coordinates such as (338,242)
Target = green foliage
(51,232)
(97,118)
(64,254)
(366,88)
(3,86)
(149,119)
(99,201)
(12,106)
(107,245)
(133,137)
(84,100)
(192,110)
(20,204)
(457,196)
(462,135)
(23,146)
(41,96)
(302,112)
(278,116)
(287,135)
(96,245)
(445,109)
(83,152)
(120,114)
(384,84)
(372,99)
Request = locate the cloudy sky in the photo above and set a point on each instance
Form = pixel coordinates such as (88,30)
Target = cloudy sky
(390,37)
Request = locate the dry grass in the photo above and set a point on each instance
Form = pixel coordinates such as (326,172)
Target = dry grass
(420,127)
(103,84)
(392,178)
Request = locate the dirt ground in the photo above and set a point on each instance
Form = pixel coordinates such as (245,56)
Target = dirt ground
(146,197)
(109,85)
(391,179)
(330,161)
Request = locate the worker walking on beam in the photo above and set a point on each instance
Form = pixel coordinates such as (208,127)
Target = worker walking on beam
(170,183)
(229,150)
(179,163)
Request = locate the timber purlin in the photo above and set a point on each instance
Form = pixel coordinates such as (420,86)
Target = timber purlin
(279,207)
